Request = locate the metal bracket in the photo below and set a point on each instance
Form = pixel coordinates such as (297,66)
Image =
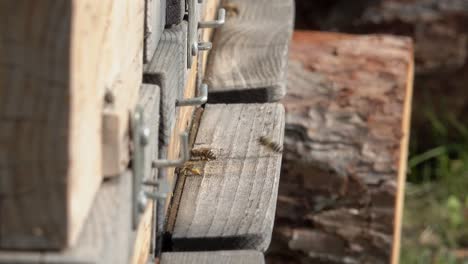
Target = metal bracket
(140,139)
(201,99)
(184,152)
(216,23)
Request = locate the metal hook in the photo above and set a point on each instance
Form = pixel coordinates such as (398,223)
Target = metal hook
(215,23)
(185,155)
(201,99)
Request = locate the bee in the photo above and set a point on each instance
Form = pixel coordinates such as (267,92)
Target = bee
(269,143)
(231,9)
(190,170)
(203,154)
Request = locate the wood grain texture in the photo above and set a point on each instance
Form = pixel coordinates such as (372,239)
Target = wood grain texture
(182,123)
(232,204)
(155,20)
(120,57)
(53,74)
(347,115)
(248,62)
(185,114)
(107,235)
(213,257)
(168,69)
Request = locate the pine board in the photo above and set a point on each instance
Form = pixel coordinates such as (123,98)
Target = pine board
(232,205)
(54,74)
(107,235)
(213,257)
(248,62)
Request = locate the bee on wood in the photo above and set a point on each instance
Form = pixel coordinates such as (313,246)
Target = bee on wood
(203,154)
(269,143)
(190,170)
(231,9)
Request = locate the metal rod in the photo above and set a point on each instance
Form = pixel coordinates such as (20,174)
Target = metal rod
(215,23)
(184,152)
(197,46)
(201,99)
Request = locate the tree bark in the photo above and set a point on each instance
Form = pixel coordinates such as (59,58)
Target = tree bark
(347,117)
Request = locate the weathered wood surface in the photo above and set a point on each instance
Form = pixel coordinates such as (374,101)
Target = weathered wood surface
(231,205)
(213,257)
(182,123)
(344,164)
(175,11)
(107,235)
(248,62)
(155,20)
(168,69)
(53,77)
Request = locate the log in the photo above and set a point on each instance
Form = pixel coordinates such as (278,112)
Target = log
(216,257)
(227,199)
(57,59)
(346,140)
(439,31)
(108,235)
(249,58)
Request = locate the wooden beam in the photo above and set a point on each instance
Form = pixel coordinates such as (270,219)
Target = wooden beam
(56,61)
(228,197)
(185,114)
(108,235)
(248,62)
(123,62)
(213,257)
(347,112)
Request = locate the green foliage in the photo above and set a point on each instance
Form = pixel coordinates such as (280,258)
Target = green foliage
(436,208)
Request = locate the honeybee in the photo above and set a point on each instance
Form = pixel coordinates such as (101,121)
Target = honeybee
(203,154)
(190,170)
(231,9)
(269,143)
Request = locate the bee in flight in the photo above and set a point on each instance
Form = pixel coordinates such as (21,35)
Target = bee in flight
(269,143)
(203,154)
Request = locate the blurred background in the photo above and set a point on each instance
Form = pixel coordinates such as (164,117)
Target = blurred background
(435,228)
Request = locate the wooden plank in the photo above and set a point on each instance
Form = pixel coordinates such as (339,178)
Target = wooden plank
(231,204)
(155,20)
(185,114)
(168,69)
(347,112)
(56,60)
(107,235)
(213,257)
(123,62)
(248,62)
